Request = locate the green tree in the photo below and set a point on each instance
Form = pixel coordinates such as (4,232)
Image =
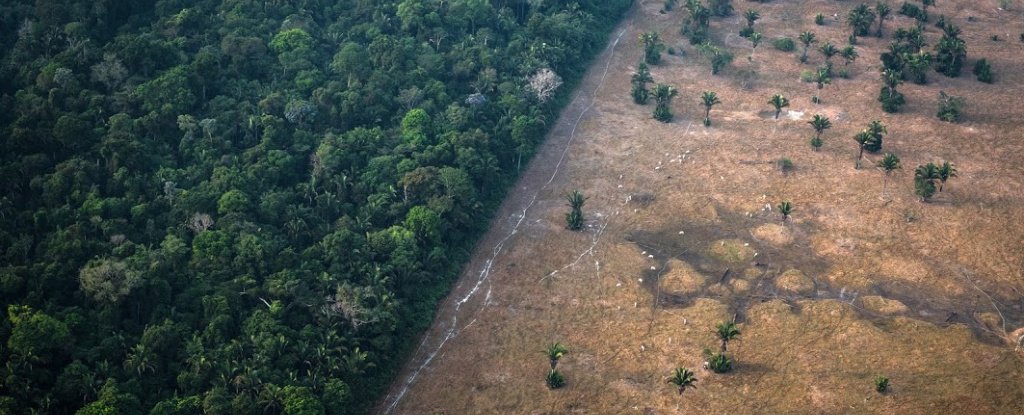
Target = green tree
(779,102)
(708,99)
(640,79)
(728,331)
(663,95)
(682,379)
(555,379)
(883,10)
(889,163)
(946,171)
(983,70)
(751,16)
(950,52)
(820,123)
(36,335)
(652,47)
(785,208)
(924,180)
(574,218)
(890,98)
(718,57)
(806,38)
(860,19)
(950,107)
(828,50)
(877,131)
(554,352)
(849,54)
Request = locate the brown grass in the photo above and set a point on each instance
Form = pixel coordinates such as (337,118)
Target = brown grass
(926,294)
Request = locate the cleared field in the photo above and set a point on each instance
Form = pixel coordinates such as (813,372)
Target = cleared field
(682,234)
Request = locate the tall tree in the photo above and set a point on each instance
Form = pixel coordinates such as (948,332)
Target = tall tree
(924,180)
(663,95)
(683,378)
(820,123)
(708,99)
(640,79)
(806,38)
(652,47)
(889,163)
(946,171)
(779,102)
(883,10)
(860,19)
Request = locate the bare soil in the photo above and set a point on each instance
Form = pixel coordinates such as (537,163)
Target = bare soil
(682,235)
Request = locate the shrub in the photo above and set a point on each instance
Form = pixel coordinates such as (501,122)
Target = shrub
(718,362)
(806,75)
(881,384)
(785,164)
(949,107)
(786,44)
(843,73)
(914,12)
(819,19)
(816,143)
(746,32)
(983,70)
(555,379)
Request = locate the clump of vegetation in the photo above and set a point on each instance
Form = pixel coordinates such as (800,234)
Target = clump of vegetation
(555,379)
(683,378)
(806,38)
(860,19)
(652,47)
(890,98)
(751,16)
(708,99)
(554,352)
(574,218)
(720,8)
(719,57)
(881,384)
(950,52)
(778,101)
(883,10)
(785,208)
(786,44)
(983,70)
(927,175)
(640,79)
(669,5)
(819,19)
(785,164)
(819,123)
(718,362)
(914,12)
(950,107)
(663,95)
(869,139)
(816,143)
(696,24)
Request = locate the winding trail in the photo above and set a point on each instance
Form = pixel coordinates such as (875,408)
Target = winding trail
(465,298)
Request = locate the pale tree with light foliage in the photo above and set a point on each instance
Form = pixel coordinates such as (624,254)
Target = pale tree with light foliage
(108,280)
(544,83)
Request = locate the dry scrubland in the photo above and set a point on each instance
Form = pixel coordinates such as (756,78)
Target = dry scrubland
(852,286)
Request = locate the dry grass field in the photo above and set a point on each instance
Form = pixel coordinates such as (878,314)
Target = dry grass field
(678,239)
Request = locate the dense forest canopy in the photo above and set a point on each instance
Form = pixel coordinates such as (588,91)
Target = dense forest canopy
(242,206)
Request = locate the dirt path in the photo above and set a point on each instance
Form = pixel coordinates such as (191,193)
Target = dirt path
(682,234)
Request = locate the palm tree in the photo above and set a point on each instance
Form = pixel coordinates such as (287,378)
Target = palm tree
(555,352)
(877,131)
(807,38)
(652,47)
(889,163)
(779,102)
(640,80)
(829,50)
(709,99)
(727,331)
(785,208)
(863,139)
(683,378)
(883,11)
(755,39)
(849,54)
(574,218)
(820,123)
(663,95)
(751,16)
(860,20)
(946,171)
(924,180)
